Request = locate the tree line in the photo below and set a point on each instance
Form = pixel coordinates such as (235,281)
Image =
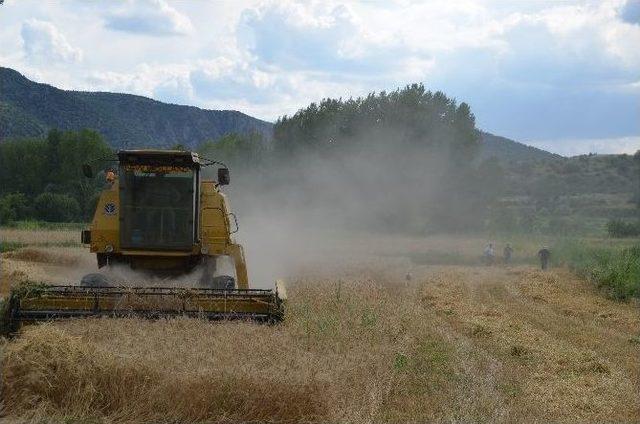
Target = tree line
(404,160)
(411,116)
(41,178)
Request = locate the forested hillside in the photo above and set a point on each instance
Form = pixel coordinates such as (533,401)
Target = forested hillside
(511,151)
(29,109)
(418,163)
(410,160)
(568,195)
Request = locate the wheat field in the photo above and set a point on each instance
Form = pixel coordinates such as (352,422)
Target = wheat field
(360,344)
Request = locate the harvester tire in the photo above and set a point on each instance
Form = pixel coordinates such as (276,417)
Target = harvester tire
(95,280)
(220,282)
(210,281)
(224,282)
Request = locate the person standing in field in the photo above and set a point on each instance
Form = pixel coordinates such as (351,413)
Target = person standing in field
(506,253)
(544,255)
(489,254)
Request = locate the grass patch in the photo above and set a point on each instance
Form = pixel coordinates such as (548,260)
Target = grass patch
(67,243)
(16,238)
(333,359)
(44,225)
(613,268)
(46,256)
(8,246)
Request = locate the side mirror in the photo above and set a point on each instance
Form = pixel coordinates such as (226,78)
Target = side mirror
(87,171)
(223,176)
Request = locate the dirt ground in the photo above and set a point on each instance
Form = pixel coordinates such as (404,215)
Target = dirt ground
(360,343)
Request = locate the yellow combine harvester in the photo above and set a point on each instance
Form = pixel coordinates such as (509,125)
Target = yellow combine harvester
(156,216)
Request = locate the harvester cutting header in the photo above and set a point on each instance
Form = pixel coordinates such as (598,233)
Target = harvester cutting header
(158,216)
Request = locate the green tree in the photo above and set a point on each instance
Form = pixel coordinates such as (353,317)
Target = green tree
(14,206)
(55,207)
(412,115)
(619,228)
(236,150)
(52,164)
(427,140)
(502,219)
(23,166)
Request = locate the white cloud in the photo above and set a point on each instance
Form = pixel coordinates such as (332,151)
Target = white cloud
(297,35)
(580,45)
(530,70)
(144,80)
(43,43)
(584,31)
(153,17)
(284,93)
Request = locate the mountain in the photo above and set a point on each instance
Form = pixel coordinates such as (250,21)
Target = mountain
(507,150)
(28,108)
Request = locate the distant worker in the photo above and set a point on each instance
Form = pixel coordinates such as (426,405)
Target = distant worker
(489,254)
(506,253)
(544,255)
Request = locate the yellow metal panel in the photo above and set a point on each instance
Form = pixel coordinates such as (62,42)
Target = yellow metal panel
(214,220)
(215,232)
(105,227)
(57,303)
(133,302)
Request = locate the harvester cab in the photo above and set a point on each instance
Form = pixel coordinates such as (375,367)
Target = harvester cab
(157,215)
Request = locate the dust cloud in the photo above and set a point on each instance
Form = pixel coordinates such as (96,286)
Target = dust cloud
(319,211)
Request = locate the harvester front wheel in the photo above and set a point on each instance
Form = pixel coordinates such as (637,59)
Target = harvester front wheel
(209,280)
(221,282)
(95,280)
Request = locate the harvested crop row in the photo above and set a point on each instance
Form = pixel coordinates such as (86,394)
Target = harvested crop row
(457,343)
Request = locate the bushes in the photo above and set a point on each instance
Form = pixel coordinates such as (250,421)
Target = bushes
(619,228)
(52,207)
(41,178)
(8,246)
(14,206)
(615,269)
(56,207)
(619,271)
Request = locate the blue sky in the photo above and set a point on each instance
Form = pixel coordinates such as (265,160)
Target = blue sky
(562,75)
